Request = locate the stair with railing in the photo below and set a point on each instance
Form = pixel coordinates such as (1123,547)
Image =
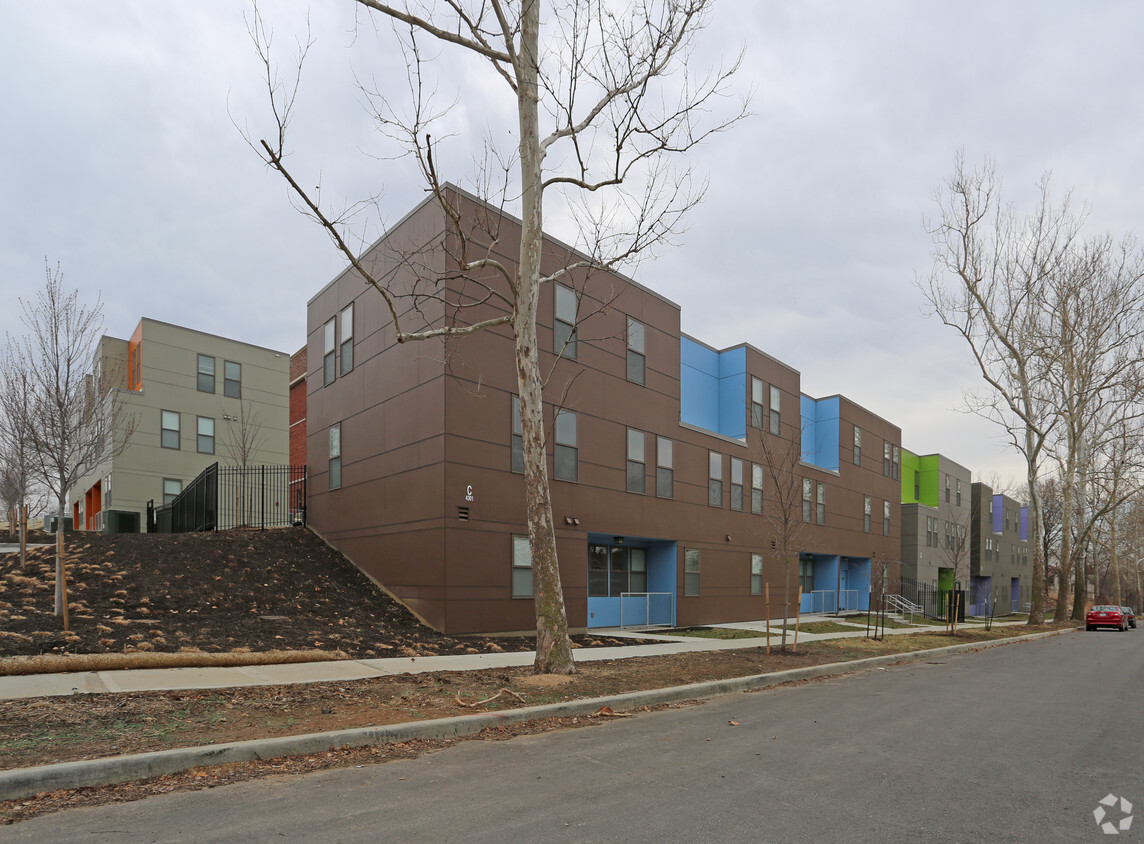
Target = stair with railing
(903,605)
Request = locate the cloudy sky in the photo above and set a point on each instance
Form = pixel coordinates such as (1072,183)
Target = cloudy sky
(122,162)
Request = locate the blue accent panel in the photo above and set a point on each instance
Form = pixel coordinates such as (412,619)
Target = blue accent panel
(1025,524)
(603,612)
(662,561)
(859,581)
(698,385)
(820,424)
(733,393)
(713,388)
(998,513)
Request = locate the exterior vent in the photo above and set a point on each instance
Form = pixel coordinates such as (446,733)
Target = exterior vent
(463,513)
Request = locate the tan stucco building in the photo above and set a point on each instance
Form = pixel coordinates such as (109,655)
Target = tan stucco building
(189,399)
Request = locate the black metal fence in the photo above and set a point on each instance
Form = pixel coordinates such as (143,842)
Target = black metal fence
(935,602)
(235,496)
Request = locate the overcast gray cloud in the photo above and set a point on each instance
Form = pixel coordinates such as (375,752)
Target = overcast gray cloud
(121,162)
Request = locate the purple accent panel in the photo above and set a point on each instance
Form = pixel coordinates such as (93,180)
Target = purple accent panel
(1025,523)
(998,513)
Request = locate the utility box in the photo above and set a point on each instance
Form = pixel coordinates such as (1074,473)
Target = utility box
(120,521)
(50,524)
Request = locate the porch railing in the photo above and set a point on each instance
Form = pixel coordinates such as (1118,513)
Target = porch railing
(644,610)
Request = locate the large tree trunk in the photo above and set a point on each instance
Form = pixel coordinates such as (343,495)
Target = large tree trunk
(553,648)
(1037,598)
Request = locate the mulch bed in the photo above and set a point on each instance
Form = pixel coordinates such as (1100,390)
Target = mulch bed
(237,590)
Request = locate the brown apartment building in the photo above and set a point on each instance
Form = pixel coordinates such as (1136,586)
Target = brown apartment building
(660,450)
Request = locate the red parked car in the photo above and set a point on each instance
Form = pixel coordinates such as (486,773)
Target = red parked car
(1106,616)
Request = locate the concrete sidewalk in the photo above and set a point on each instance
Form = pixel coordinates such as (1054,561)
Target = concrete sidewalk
(170,679)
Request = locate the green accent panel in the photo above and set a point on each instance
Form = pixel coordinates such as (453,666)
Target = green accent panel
(945,579)
(910,463)
(930,480)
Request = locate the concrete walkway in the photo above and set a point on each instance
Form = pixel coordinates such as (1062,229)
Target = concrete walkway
(169,679)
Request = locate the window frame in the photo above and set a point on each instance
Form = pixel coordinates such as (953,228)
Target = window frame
(227,381)
(867,512)
(516,439)
(346,340)
(820,504)
(334,455)
(886,518)
(692,572)
(200,436)
(518,568)
(164,429)
(563,448)
(757,488)
(776,410)
(664,468)
(636,480)
(756,574)
(714,479)
(737,486)
(201,373)
(172,496)
(636,354)
(807,500)
(564,338)
(857,446)
(329,353)
(756,408)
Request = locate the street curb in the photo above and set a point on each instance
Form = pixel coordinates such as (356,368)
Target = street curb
(20,783)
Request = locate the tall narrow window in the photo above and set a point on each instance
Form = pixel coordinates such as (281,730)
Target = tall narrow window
(205,435)
(517,437)
(885,518)
(897,462)
(756,574)
(757,488)
(866,514)
(336,456)
(169,435)
(565,455)
(637,466)
(638,560)
(171,489)
(691,571)
(565,324)
(637,361)
(947,488)
(232,380)
(664,468)
(959,492)
(857,446)
(715,479)
(821,503)
(917,485)
(346,341)
(521,567)
(756,402)
(736,483)
(206,381)
(886,462)
(807,500)
(329,339)
(806,574)
(776,416)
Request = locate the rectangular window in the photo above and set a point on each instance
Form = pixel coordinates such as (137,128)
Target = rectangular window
(857,446)
(885,518)
(171,489)
(346,343)
(821,503)
(616,569)
(757,488)
(336,456)
(947,489)
(866,514)
(637,361)
(736,483)
(690,571)
(715,479)
(959,492)
(232,380)
(565,324)
(897,462)
(329,339)
(637,466)
(169,435)
(565,454)
(917,485)
(664,468)
(205,435)
(886,463)
(756,574)
(807,500)
(757,403)
(776,417)
(517,437)
(638,564)
(521,567)
(206,374)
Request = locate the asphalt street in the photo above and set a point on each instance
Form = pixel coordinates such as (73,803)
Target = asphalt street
(1011,744)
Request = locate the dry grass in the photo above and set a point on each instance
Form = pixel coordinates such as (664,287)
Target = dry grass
(58,663)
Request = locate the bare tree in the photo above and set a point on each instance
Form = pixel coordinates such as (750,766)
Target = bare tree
(600,110)
(18,489)
(990,282)
(72,405)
